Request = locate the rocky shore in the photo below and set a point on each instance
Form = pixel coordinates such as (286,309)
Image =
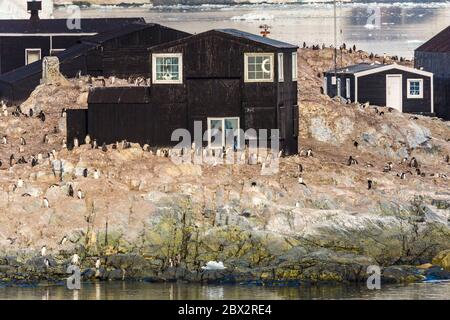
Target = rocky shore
(141,216)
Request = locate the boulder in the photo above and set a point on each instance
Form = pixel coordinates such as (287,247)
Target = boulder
(442,259)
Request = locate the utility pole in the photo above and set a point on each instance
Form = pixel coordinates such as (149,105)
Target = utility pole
(335,40)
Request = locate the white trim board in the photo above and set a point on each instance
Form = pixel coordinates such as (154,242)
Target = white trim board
(393,66)
(46,34)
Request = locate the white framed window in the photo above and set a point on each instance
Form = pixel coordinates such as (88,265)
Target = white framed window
(415,89)
(333,80)
(223,132)
(338,90)
(258,67)
(325,85)
(32,55)
(347,88)
(294,66)
(167,68)
(280,67)
(54,52)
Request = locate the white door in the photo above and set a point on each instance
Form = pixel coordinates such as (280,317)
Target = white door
(394,92)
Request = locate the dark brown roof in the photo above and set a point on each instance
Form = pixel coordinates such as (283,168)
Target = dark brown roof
(439,43)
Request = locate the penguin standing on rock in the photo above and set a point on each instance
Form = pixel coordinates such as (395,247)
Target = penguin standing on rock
(46,203)
(12,160)
(45,139)
(70,192)
(413,163)
(369,184)
(43,251)
(79,194)
(104,148)
(4,140)
(63,241)
(22,141)
(41,116)
(85,172)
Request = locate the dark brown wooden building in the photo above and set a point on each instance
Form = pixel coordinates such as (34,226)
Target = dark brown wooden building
(23,42)
(405,89)
(227,79)
(434,56)
(120,53)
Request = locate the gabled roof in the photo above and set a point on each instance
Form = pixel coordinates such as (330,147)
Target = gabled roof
(54,26)
(439,43)
(83,46)
(357,68)
(257,38)
(363,69)
(235,34)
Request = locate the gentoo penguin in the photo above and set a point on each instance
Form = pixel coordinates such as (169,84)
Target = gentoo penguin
(351,161)
(20,183)
(104,148)
(30,112)
(75,259)
(63,113)
(413,163)
(45,139)
(76,144)
(12,160)
(46,203)
(70,191)
(447,158)
(41,116)
(22,141)
(87,139)
(5,113)
(355,144)
(79,194)
(404,160)
(4,140)
(369,184)
(94,144)
(402,175)
(64,143)
(300,181)
(96,174)
(43,251)
(146,148)
(85,172)
(47,263)
(34,161)
(114,146)
(63,241)
(300,168)
(98,264)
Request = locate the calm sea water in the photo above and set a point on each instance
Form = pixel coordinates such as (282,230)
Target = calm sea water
(151,291)
(395,29)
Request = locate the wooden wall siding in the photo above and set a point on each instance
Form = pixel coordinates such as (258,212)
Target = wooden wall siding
(123,56)
(439,64)
(13,49)
(76,125)
(213,75)
(372,88)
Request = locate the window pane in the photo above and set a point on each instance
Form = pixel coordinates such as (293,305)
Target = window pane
(167,68)
(216,133)
(259,67)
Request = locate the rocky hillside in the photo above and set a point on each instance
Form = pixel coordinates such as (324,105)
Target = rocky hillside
(146,217)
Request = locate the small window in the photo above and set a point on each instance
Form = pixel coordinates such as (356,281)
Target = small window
(347,88)
(167,68)
(32,55)
(338,93)
(258,67)
(325,85)
(280,67)
(415,88)
(223,132)
(294,66)
(54,52)
(333,80)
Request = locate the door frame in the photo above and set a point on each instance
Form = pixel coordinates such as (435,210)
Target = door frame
(401,88)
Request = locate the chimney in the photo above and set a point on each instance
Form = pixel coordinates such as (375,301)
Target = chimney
(34,7)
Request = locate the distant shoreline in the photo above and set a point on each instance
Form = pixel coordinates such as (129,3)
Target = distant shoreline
(194,3)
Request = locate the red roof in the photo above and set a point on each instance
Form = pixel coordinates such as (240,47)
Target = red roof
(439,43)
